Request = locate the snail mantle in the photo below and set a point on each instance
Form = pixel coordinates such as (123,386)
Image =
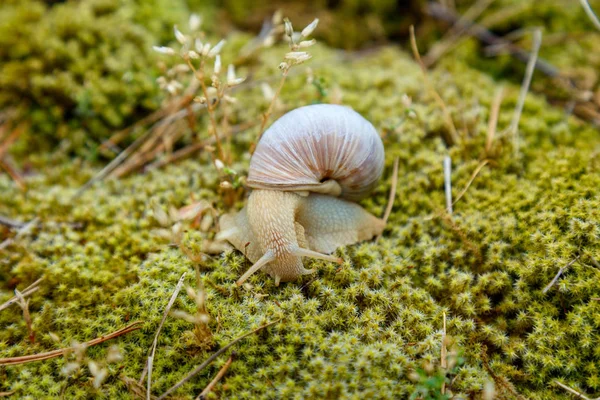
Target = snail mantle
(308,170)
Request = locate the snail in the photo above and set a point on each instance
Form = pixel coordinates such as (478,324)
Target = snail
(308,170)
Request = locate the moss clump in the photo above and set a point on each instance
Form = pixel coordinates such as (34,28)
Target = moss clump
(81,69)
(361,331)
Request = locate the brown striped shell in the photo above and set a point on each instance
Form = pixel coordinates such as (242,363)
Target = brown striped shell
(321,148)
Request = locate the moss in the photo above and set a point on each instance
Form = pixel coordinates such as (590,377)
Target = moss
(81,69)
(361,331)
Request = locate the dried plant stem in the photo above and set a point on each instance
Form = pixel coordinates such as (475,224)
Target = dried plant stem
(23,231)
(272,104)
(26,292)
(10,170)
(452,36)
(24,304)
(200,75)
(392,196)
(152,351)
(574,392)
(514,126)
(444,353)
(11,223)
(448,183)
(222,350)
(473,176)
(493,122)
(57,353)
(447,117)
(558,274)
(217,377)
(590,13)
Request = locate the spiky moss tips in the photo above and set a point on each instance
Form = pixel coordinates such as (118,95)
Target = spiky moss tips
(371,329)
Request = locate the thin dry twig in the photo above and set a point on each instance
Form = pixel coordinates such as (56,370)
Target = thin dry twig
(8,394)
(392,196)
(26,292)
(514,126)
(590,13)
(493,122)
(152,351)
(13,173)
(436,95)
(473,176)
(560,272)
(57,353)
(452,37)
(24,304)
(444,354)
(222,350)
(574,392)
(448,183)
(217,377)
(11,223)
(23,231)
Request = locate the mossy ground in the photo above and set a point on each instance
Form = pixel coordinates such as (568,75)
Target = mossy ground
(355,332)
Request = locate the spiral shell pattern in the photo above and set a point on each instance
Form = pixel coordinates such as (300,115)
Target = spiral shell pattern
(311,146)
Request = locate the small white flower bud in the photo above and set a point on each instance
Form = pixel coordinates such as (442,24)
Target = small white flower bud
(276,20)
(164,50)
(179,36)
(310,28)
(267,91)
(217,68)
(289,30)
(205,49)
(229,99)
(307,43)
(226,185)
(284,66)
(230,72)
(235,81)
(193,55)
(217,49)
(199,46)
(195,22)
(219,164)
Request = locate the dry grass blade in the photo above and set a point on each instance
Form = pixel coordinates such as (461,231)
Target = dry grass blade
(11,223)
(11,138)
(484,35)
(514,126)
(559,273)
(57,353)
(12,171)
(26,292)
(222,350)
(448,183)
(8,394)
(23,231)
(392,196)
(458,29)
(590,13)
(473,176)
(217,377)
(493,122)
(444,353)
(574,392)
(447,117)
(152,351)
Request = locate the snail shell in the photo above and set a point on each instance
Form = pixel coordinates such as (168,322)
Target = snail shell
(321,148)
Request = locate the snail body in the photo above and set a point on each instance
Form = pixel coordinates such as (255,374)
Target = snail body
(308,169)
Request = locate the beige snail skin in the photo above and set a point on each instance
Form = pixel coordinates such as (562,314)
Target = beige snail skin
(308,170)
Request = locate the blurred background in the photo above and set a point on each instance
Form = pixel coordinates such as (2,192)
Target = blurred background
(81,70)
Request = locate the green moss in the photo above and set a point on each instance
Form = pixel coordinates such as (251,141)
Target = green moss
(361,331)
(81,69)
